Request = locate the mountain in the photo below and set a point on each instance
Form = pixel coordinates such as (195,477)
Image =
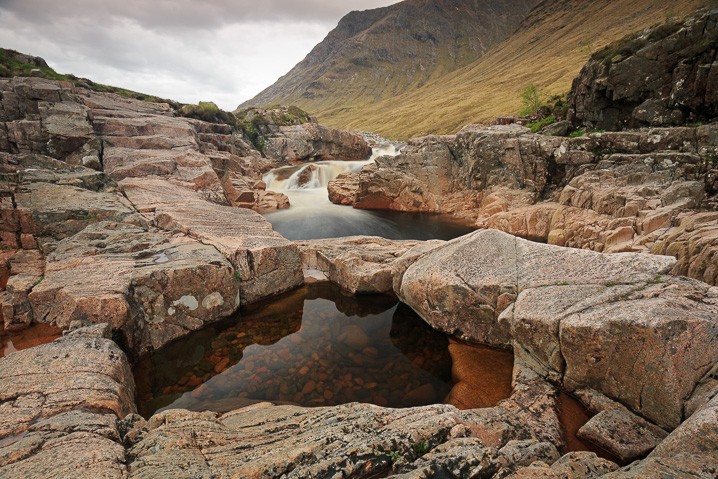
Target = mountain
(547,47)
(376,54)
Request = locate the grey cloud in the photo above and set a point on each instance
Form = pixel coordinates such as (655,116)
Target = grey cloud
(219,50)
(188,14)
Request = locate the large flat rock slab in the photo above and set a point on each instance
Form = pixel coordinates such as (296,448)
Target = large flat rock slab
(266,263)
(615,323)
(149,284)
(59,405)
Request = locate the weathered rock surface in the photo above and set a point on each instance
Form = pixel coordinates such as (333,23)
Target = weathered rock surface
(689,451)
(353,439)
(362,264)
(643,191)
(107,262)
(676,65)
(574,465)
(623,434)
(314,142)
(613,323)
(60,403)
(342,189)
(151,285)
(265,262)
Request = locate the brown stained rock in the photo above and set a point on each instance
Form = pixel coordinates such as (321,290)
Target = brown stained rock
(312,142)
(574,465)
(614,323)
(152,286)
(360,264)
(358,439)
(623,434)
(342,189)
(480,376)
(690,451)
(265,262)
(59,406)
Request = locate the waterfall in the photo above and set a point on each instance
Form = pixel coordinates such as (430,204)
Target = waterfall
(313,176)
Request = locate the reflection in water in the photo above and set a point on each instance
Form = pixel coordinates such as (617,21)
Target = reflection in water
(314,347)
(313,216)
(33,336)
(481,375)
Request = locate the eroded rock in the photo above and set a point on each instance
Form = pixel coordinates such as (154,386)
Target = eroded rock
(59,405)
(361,264)
(615,323)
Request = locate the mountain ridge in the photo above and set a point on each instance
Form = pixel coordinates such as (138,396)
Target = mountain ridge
(547,48)
(375,54)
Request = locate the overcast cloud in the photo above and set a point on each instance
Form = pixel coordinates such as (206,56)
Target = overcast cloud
(187,50)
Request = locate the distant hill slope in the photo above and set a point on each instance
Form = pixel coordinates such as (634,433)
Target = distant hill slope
(14,63)
(377,54)
(548,49)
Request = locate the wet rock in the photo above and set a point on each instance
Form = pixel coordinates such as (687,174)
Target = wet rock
(342,189)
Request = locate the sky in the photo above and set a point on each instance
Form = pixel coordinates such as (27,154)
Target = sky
(224,51)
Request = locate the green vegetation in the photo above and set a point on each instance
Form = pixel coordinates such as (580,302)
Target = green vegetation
(537,126)
(584,132)
(13,63)
(421,447)
(254,122)
(237,276)
(544,53)
(209,112)
(531,100)
(394,456)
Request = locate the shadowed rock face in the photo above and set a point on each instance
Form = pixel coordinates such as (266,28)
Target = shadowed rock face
(664,76)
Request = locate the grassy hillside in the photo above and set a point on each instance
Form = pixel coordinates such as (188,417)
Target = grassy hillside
(548,49)
(377,54)
(13,63)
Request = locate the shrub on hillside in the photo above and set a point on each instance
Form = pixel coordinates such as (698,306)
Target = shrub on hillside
(209,112)
(531,100)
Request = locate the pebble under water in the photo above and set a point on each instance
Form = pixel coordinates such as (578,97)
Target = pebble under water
(315,346)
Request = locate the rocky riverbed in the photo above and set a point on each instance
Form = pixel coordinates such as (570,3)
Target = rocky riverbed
(123,226)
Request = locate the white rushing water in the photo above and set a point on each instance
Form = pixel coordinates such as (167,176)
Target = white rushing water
(314,177)
(311,214)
